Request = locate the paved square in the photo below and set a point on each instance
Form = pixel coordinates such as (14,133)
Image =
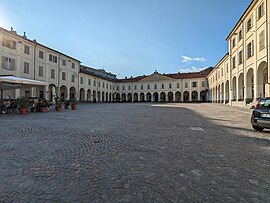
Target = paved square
(134,153)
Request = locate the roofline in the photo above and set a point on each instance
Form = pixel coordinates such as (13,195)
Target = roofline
(240,19)
(36,43)
(227,54)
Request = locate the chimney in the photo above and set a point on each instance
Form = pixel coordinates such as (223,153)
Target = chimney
(24,35)
(125,77)
(34,40)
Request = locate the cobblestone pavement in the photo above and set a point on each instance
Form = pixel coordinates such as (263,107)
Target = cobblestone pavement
(134,153)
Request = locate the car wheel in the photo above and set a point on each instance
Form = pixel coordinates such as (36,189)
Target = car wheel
(257,128)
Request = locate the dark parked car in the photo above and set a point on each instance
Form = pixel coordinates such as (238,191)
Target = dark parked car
(260,117)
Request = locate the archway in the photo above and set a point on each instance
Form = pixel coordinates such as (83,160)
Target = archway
(186,96)
(155,97)
(227,92)
(170,97)
(123,97)
(203,96)
(98,96)
(142,99)
(110,97)
(88,95)
(194,96)
(51,91)
(241,87)
(94,96)
(148,97)
(106,97)
(250,86)
(82,94)
(222,93)
(102,96)
(63,92)
(162,97)
(117,97)
(262,79)
(234,89)
(178,96)
(135,97)
(129,97)
(72,93)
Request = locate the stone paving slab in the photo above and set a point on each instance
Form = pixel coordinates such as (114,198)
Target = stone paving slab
(134,153)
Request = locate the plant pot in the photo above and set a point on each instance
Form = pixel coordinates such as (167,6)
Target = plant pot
(66,107)
(23,111)
(43,109)
(58,108)
(73,106)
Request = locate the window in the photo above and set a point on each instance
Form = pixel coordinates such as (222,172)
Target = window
(162,86)
(222,72)
(135,87)
(40,54)
(107,85)
(117,87)
(8,63)
(240,57)
(40,71)
(110,86)
(178,85)
(72,78)
(170,85)
(63,76)
(103,84)
(233,63)
(249,25)
(262,40)
(203,83)
(123,87)
(64,62)
(155,86)
(53,58)
(148,86)
(233,43)
(9,43)
(129,87)
(260,11)
(94,83)
(194,84)
(73,65)
(250,49)
(98,83)
(240,35)
(141,87)
(89,81)
(186,85)
(227,68)
(26,68)
(26,49)
(81,80)
(52,73)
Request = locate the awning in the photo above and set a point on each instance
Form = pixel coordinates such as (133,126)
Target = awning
(13,82)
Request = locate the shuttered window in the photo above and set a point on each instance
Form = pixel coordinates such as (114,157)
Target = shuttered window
(8,63)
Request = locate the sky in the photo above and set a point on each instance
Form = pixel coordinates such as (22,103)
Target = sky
(129,37)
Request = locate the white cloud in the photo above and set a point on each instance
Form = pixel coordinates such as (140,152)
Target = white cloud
(191,69)
(187,59)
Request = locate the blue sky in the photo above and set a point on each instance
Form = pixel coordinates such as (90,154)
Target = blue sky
(129,37)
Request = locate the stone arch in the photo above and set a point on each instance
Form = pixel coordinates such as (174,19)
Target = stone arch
(72,93)
(178,96)
(170,97)
(163,97)
(82,94)
(98,96)
(142,99)
(123,98)
(186,96)
(88,95)
(129,97)
(222,93)
(148,97)
(194,96)
(155,97)
(117,97)
(250,86)
(135,97)
(63,92)
(103,97)
(234,88)
(227,91)
(94,96)
(110,97)
(241,87)
(203,96)
(262,79)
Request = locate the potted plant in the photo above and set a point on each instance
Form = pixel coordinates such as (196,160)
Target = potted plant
(41,106)
(58,105)
(74,105)
(23,102)
(67,104)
